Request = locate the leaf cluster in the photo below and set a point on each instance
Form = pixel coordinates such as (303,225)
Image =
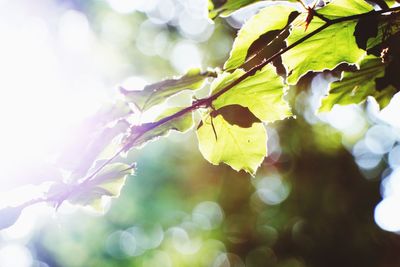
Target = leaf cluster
(273,51)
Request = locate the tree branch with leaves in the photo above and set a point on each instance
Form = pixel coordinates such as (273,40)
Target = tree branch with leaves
(249,92)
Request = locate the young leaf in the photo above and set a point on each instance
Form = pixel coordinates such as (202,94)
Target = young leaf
(92,136)
(227,7)
(355,87)
(107,183)
(158,93)
(180,124)
(389,3)
(95,148)
(242,148)
(328,48)
(263,93)
(269,19)
(9,215)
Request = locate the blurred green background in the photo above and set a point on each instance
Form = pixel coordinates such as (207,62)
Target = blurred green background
(312,203)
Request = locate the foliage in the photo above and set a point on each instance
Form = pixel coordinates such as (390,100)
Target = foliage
(243,98)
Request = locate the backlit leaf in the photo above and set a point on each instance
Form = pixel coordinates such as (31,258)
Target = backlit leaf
(225,8)
(96,149)
(158,93)
(239,147)
(180,124)
(355,87)
(92,136)
(263,93)
(107,183)
(269,19)
(330,47)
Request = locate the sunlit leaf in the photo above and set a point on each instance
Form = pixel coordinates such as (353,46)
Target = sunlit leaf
(225,8)
(180,124)
(95,149)
(330,47)
(390,3)
(158,93)
(263,93)
(270,18)
(107,183)
(355,87)
(242,148)
(90,138)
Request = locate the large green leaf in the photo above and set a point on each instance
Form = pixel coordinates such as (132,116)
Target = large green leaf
(269,19)
(329,47)
(224,79)
(147,132)
(107,183)
(242,148)
(263,93)
(355,87)
(158,93)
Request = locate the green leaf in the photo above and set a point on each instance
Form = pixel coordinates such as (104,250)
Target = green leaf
(111,112)
(224,79)
(158,93)
(229,6)
(151,131)
(107,183)
(9,215)
(328,48)
(263,93)
(355,87)
(242,148)
(91,137)
(225,8)
(269,19)
(96,149)
(389,3)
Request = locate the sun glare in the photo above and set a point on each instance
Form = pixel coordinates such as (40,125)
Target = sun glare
(46,86)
